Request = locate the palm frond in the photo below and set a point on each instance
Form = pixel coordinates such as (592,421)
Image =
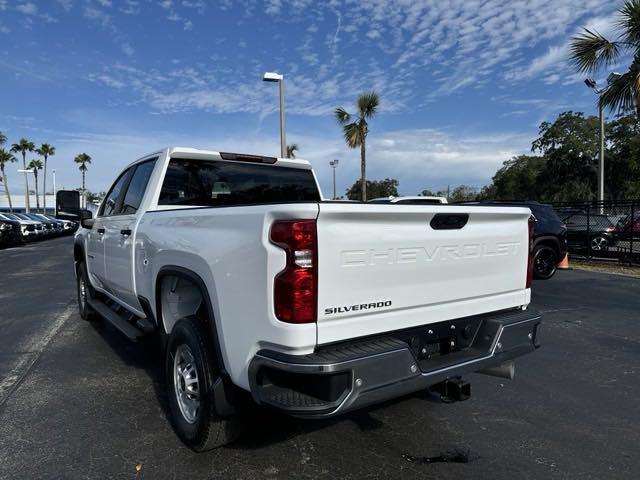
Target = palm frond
(46,150)
(591,51)
(35,164)
(352,135)
(3,138)
(82,158)
(629,22)
(623,93)
(342,116)
(6,157)
(291,150)
(368,104)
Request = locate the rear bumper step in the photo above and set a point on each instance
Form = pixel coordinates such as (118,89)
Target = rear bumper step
(351,375)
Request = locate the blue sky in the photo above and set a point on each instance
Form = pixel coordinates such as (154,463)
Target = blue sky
(464,84)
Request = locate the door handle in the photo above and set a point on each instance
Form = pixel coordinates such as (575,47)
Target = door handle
(126,232)
(101,231)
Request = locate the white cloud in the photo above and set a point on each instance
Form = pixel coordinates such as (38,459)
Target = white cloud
(27,8)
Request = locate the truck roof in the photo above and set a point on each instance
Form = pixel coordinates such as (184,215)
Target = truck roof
(198,154)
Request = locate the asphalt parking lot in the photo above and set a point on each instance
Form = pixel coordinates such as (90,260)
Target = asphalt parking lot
(78,401)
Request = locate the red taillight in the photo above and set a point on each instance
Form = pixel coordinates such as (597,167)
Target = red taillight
(295,288)
(530,256)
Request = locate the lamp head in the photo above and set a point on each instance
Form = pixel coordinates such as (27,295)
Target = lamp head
(272,77)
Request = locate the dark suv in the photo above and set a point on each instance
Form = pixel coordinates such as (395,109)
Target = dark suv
(549,236)
(591,231)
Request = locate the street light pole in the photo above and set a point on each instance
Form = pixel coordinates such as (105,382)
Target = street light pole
(54,185)
(592,84)
(276,77)
(601,159)
(334,165)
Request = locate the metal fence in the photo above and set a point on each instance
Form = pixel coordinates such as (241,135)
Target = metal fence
(609,229)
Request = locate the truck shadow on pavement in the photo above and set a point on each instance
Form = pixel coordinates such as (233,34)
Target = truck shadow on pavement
(265,427)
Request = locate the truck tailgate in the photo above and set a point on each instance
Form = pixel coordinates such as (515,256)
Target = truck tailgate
(385,267)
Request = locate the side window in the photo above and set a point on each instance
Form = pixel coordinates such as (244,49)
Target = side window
(137,187)
(110,204)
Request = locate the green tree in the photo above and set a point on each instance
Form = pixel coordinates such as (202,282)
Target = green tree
(3,139)
(24,146)
(356,129)
(83,160)
(291,150)
(622,165)
(45,151)
(376,188)
(429,193)
(5,158)
(517,179)
(591,51)
(570,146)
(36,165)
(464,193)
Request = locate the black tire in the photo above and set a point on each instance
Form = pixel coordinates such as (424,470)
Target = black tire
(545,262)
(599,243)
(200,427)
(84,291)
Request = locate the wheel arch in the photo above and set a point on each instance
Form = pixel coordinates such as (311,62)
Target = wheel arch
(548,240)
(196,280)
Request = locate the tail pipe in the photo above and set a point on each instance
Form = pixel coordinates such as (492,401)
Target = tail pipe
(506,370)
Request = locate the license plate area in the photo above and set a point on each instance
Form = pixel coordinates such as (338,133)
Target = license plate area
(441,343)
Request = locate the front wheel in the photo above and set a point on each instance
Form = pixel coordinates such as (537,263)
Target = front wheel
(545,262)
(190,375)
(84,291)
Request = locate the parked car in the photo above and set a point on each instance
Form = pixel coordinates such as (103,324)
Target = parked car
(549,236)
(628,228)
(27,228)
(260,290)
(39,226)
(590,231)
(10,233)
(50,227)
(411,200)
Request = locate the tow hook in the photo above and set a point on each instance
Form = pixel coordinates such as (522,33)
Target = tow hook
(453,389)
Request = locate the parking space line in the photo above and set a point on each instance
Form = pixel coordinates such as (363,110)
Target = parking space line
(33,351)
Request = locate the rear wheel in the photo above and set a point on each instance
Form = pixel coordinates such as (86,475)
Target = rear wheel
(84,293)
(191,374)
(599,244)
(545,262)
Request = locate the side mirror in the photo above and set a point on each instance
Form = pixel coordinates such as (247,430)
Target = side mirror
(86,219)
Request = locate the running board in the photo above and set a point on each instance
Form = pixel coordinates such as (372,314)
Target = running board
(119,322)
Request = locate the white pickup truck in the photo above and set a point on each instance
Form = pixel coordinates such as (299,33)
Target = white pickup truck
(262,292)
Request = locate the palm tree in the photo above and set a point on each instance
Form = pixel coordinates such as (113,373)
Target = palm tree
(590,51)
(24,146)
(3,138)
(45,151)
(291,150)
(36,165)
(83,159)
(355,132)
(6,157)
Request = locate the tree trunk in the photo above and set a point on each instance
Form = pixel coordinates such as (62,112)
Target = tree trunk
(6,190)
(44,187)
(363,171)
(35,174)
(26,182)
(84,195)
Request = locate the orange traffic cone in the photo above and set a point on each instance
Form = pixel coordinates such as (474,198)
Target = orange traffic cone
(564,263)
